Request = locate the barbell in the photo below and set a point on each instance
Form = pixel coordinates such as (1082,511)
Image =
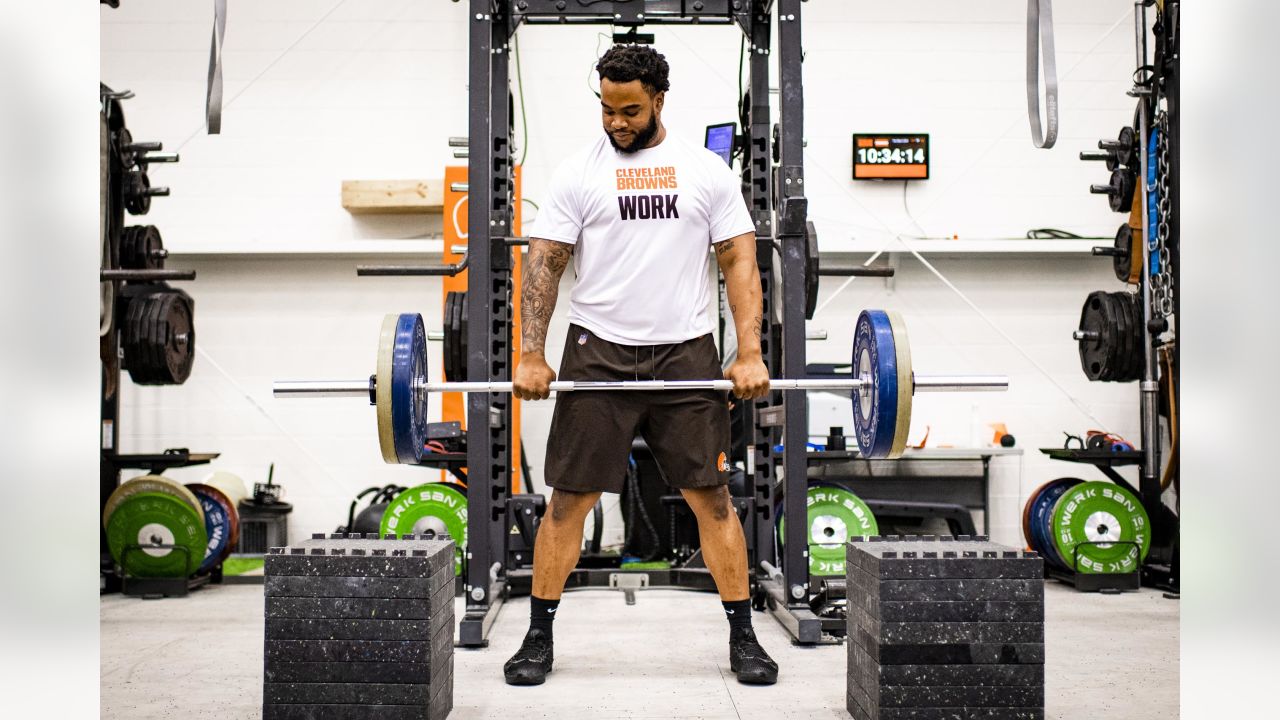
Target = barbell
(882,383)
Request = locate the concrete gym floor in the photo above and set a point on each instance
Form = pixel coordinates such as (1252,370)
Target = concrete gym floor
(664,657)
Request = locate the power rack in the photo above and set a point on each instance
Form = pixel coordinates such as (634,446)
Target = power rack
(773,186)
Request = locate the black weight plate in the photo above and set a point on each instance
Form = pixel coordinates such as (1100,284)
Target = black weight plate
(354,608)
(446,348)
(359,672)
(997,675)
(152,337)
(345,693)
(128,241)
(347,629)
(349,566)
(923,560)
(177,329)
(1126,328)
(1123,181)
(1123,245)
(464,305)
(454,319)
(1138,337)
(1124,342)
(1133,347)
(133,342)
(944,590)
(933,633)
(944,696)
(1114,307)
(811,276)
(347,712)
(123,139)
(136,185)
(396,651)
(349,587)
(954,654)
(141,248)
(1093,352)
(1116,357)
(952,611)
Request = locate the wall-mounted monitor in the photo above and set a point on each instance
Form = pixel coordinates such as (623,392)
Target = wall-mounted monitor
(719,140)
(890,156)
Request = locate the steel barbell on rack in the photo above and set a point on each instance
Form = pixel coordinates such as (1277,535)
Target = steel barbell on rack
(882,385)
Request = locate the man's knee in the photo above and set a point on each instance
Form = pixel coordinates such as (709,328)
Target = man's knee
(714,501)
(566,505)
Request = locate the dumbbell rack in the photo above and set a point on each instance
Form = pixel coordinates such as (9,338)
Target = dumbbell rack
(117,143)
(1155,80)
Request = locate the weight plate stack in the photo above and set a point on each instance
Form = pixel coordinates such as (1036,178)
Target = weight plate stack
(359,627)
(835,515)
(402,407)
(430,511)
(221,522)
(155,528)
(875,405)
(943,627)
(141,248)
(1039,510)
(137,195)
(1111,337)
(158,334)
(1099,527)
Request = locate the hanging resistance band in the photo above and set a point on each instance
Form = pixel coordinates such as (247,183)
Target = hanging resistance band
(213,98)
(1040,32)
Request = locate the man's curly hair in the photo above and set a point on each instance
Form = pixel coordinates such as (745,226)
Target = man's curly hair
(624,63)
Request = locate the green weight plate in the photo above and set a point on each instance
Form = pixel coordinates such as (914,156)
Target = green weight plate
(382,389)
(835,514)
(906,384)
(1095,522)
(151,520)
(429,510)
(149,484)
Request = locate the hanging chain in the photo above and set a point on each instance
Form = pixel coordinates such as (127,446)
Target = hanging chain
(1162,278)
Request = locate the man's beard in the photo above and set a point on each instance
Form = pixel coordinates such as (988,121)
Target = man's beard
(640,140)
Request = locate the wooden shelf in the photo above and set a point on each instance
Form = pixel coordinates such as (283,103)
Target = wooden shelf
(383,197)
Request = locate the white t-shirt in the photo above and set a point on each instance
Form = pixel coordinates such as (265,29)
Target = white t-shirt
(642,225)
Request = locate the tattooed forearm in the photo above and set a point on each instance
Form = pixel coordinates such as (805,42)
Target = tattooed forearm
(541,287)
(736,257)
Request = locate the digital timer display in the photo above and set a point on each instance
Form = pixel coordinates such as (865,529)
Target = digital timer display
(890,157)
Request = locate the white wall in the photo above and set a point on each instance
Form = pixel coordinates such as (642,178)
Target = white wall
(321,92)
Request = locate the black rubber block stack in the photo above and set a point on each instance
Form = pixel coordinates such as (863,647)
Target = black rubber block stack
(359,627)
(944,628)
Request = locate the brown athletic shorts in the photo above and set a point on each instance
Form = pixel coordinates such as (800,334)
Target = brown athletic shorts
(592,430)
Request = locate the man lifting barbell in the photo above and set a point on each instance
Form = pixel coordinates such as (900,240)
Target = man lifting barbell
(636,212)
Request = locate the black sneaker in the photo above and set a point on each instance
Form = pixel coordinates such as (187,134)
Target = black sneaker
(532,662)
(749,661)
